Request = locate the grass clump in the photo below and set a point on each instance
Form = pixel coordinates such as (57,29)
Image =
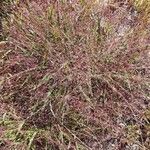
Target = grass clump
(75,75)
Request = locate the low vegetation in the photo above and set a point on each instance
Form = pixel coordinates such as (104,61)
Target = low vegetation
(74,75)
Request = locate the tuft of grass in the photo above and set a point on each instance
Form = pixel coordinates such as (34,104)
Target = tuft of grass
(75,75)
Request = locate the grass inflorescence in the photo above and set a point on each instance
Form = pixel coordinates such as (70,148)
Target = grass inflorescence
(75,75)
